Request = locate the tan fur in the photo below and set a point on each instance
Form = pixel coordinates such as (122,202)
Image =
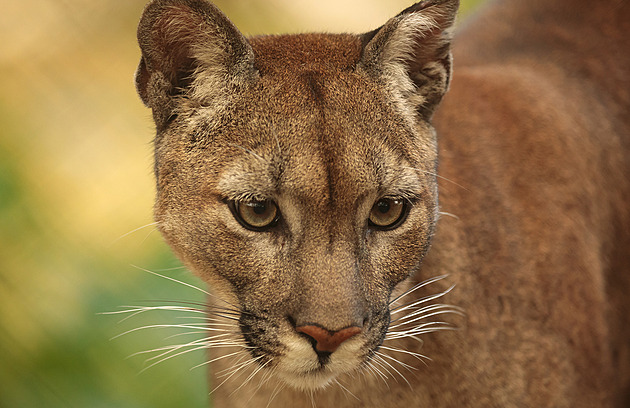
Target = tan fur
(534,164)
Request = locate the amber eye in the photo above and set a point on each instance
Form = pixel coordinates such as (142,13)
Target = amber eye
(255,215)
(388,213)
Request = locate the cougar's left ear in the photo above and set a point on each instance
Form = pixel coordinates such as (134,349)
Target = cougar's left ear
(411,54)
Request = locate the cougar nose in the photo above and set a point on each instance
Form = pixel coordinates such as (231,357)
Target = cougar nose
(326,340)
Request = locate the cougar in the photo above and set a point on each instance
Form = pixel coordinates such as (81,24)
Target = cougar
(298,175)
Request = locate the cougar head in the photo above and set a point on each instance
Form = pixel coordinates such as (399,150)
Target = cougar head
(296,174)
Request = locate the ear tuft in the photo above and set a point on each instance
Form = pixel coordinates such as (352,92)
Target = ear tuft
(189,47)
(411,54)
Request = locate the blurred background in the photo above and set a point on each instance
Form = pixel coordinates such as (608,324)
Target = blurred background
(76,193)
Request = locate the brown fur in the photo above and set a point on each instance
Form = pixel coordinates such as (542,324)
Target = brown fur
(534,155)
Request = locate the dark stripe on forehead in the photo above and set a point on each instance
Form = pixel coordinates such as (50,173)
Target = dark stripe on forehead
(313,83)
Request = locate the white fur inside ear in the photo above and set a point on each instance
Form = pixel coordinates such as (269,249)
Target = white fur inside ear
(210,75)
(403,41)
(203,54)
(395,57)
(413,59)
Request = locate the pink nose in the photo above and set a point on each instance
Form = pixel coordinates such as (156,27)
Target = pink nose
(326,340)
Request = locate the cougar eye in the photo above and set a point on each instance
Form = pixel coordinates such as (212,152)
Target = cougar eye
(255,215)
(388,213)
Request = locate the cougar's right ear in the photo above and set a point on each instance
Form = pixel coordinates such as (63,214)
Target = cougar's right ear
(191,49)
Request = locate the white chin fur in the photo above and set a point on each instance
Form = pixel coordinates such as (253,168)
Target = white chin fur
(300,368)
(307,381)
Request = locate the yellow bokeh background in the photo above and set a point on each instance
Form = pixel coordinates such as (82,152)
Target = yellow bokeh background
(76,193)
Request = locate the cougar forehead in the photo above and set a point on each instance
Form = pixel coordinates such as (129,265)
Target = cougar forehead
(301,129)
(291,54)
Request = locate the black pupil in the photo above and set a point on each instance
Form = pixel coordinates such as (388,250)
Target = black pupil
(259,208)
(383,206)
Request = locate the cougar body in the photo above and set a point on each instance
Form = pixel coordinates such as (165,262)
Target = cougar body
(298,176)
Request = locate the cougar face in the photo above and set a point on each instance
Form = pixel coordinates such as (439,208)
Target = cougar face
(296,174)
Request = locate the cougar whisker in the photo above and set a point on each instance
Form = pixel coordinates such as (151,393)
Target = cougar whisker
(378,360)
(418,286)
(426,312)
(382,357)
(279,387)
(418,356)
(346,390)
(251,376)
(167,356)
(377,373)
(132,231)
(234,370)
(220,357)
(438,176)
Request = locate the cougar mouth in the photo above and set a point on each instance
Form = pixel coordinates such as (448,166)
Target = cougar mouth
(301,367)
(276,344)
(295,358)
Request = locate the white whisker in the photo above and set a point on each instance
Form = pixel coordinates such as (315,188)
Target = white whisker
(167,357)
(378,361)
(405,365)
(263,379)
(252,375)
(148,235)
(217,359)
(233,307)
(448,214)
(426,312)
(208,342)
(174,280)
(212,321)
(234,370)
(170,326)
(418,286)
(279,387)
(438,176)
(422,300)
(168,349)
(418,356)
(310,393)
(174,268)
(378,373)
(409,323)
(136,310)
(422,329)
(379,356)
(237,366)
(347,391)
(132,231)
